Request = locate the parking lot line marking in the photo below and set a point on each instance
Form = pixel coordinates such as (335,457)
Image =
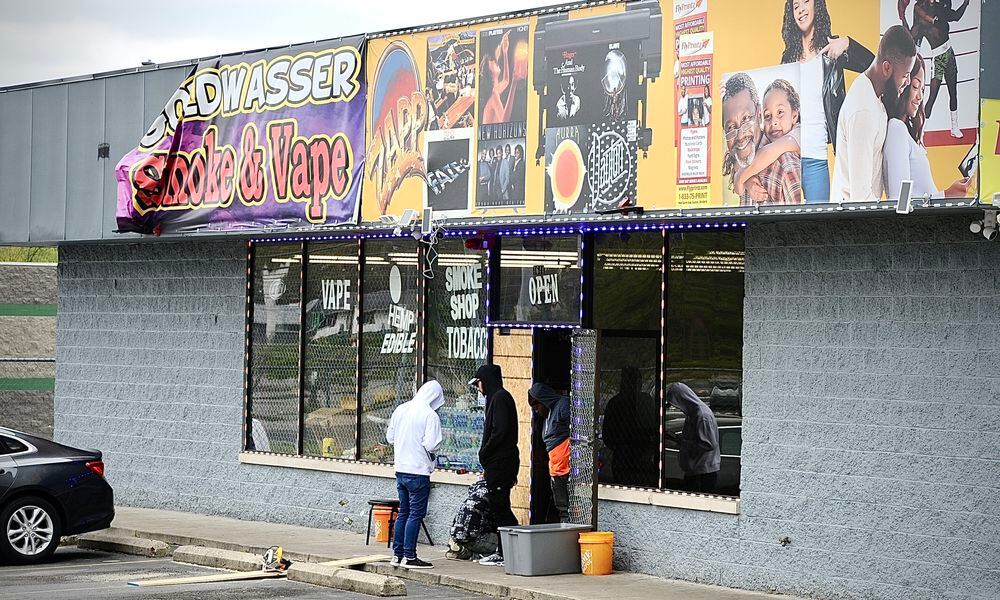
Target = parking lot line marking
(84,566)
(64,590)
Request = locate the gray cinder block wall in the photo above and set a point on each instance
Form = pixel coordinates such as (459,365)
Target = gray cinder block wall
(150,371)
(872,410)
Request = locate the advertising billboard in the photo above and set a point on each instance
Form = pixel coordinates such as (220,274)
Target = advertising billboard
(571,112)
(270,139)
(776,102)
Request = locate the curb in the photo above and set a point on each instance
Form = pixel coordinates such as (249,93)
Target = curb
(478,587)
(217,558)
(194,549)
(183,540)
(349,580)
(115,542)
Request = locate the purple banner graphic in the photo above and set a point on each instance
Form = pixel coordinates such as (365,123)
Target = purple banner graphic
(267,140)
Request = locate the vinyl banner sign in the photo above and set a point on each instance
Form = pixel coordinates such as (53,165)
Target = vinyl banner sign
(272,139)
(574,111)
(772,102)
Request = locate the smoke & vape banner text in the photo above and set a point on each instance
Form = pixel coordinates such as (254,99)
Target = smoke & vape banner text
(267,139)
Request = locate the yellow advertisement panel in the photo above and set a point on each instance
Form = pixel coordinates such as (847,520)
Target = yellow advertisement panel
(990,154)
(767,102)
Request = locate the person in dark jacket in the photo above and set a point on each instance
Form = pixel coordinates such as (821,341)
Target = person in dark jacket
(700,456)
(822,56)
(498,452)
(554,407)
(631,429)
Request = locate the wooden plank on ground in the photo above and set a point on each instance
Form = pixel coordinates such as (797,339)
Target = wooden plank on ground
(207,578)
(357,560)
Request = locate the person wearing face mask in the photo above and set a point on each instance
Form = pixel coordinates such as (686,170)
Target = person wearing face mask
(498,452)
(415,434)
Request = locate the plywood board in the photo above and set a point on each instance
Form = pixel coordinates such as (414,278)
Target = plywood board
(207,578)
(357,560)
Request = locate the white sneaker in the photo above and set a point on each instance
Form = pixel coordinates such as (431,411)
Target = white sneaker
(493,560)
(396,560)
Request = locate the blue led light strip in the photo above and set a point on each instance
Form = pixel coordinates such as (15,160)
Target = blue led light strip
(523,231)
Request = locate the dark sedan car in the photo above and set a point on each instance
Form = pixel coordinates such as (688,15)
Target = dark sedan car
(48,490)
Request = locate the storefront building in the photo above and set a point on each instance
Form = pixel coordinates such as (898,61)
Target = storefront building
(304,235)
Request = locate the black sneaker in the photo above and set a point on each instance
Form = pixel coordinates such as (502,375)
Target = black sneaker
(415,563)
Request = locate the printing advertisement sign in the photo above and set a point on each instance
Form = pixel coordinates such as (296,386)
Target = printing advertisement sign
(271,139)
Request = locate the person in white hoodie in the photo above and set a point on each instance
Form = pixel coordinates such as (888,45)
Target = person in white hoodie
(415,434)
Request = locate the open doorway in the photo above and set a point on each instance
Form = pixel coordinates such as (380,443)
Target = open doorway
(550,364)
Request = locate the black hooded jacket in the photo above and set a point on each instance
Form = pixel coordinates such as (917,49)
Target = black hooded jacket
(499,447)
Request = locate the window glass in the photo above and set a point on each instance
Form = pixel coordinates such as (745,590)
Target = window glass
(11,446)
(628,279)
(389,339)
(705,288)
(628,409)
(456,346)
(539,280)
(274,367)
(331,350)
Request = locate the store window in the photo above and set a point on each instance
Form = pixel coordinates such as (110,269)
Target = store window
(704,350)
(274,366)
(627,305)
(457,343)
(331,350)
(389,339)
(539,281)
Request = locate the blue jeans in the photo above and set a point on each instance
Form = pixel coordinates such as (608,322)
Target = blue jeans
(413,492)
(815,180)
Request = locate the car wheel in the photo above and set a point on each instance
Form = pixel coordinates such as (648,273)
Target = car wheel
(29,531)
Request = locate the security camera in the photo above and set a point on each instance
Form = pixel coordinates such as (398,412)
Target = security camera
(990,225)
(976,227)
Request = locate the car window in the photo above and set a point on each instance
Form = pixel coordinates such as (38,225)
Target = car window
(730,440)
(11,446)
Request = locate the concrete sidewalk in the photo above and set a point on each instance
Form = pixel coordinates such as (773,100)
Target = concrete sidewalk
(317,545)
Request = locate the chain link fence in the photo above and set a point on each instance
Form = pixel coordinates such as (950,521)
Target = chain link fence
(582,490)
(456,346)
(331,351)
(274,366)
(389,339)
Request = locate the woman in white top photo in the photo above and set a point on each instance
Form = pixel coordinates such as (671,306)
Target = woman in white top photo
(807,32)
(904,154)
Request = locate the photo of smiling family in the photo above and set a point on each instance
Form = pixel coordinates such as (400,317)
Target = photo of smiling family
(845,117)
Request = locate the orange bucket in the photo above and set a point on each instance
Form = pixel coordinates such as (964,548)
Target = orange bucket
(595,552)
(383,514)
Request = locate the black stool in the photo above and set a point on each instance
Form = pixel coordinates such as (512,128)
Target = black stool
(393,506)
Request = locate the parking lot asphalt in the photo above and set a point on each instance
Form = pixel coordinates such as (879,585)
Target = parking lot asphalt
(75,574)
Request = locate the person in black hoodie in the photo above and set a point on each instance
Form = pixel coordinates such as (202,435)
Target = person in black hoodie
(498,452)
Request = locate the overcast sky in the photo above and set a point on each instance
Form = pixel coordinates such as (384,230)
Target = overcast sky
(47,39)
